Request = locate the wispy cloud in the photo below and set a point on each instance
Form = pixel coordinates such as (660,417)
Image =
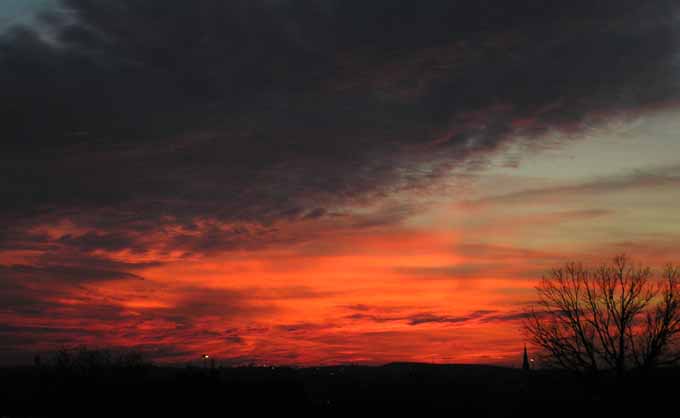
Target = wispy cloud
(635,180)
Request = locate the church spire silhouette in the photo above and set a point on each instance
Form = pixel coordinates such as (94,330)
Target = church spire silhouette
(525,359)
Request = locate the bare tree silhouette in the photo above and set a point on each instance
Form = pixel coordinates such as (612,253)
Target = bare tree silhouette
(618,316)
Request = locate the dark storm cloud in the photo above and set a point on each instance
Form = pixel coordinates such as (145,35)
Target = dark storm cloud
(38,286)
(425,317)
(19,239)
(303,327)
(196,302)
(509,317)
(32,330)
(141,112)
(92,241)
(482,316)
(63,273)
(428,318)
(87,316)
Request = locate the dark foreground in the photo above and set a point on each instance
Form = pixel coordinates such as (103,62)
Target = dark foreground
(414,389)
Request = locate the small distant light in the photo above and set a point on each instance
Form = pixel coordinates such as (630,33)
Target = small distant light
(206,356)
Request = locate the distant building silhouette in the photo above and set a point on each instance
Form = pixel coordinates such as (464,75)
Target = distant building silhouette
(525,360)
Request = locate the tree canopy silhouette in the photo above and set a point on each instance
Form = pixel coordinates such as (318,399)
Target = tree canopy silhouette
(618,316)
(84,361)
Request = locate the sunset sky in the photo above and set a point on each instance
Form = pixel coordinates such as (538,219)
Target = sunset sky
(324,181)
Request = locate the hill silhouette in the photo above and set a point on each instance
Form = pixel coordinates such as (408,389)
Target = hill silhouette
(476,390)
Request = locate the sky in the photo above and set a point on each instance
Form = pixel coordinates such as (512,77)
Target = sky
(308,182)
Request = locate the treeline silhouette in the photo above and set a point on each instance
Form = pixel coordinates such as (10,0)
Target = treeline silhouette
(82,382)
(619,317)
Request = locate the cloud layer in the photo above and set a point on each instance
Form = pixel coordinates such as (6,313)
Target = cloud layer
(257,111)
(168,167)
